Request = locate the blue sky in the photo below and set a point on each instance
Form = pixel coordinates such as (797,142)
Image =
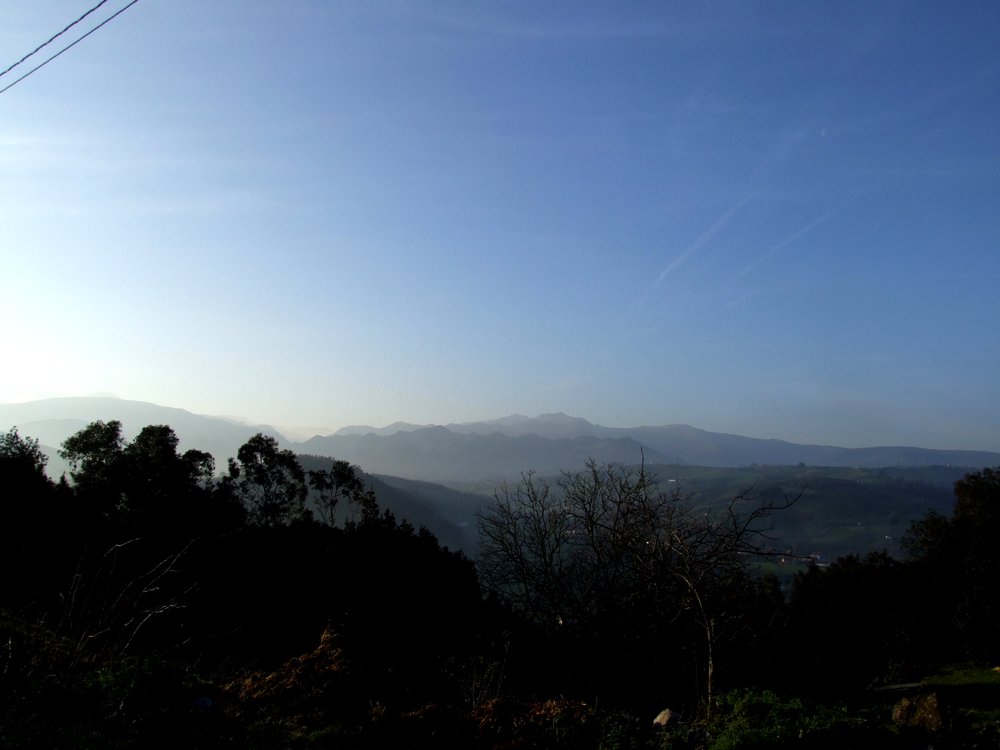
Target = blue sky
(775,219)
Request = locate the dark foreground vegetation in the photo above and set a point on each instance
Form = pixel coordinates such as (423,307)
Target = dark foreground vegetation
(151,602)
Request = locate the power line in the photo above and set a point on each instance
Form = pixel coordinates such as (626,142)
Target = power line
(53,38)
(68,46)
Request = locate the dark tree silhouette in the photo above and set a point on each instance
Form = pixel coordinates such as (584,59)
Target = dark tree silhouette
(341,482)
(94,455)
(960,558)
(853,625)
(33,522)
(22,459)
(269,481)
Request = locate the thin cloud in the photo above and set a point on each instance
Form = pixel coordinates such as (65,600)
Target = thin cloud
(796,235)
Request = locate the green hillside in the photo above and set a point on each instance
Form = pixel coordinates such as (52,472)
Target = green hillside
(841,510)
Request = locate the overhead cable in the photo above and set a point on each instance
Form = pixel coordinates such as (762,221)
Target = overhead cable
(68,46)
(43,45)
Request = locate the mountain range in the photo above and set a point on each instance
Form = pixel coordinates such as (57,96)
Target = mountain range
(441,476)
(495,450)
(553,442)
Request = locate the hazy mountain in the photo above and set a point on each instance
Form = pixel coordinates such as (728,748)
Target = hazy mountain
(553,426)
(490,450)
(53,420)
(441,454)
(683,443)
(391,429)
(455,506)
(704,448)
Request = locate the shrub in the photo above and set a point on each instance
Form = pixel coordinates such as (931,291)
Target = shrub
(747,719)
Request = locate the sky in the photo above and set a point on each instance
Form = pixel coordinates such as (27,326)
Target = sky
(777,219)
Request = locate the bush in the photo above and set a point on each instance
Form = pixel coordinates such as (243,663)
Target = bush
(748,719)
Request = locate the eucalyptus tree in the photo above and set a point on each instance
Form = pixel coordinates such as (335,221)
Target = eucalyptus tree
(341,483)
(269,480)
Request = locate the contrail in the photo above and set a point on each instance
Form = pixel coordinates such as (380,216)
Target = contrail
(733,303)
(804,230)
(699,243)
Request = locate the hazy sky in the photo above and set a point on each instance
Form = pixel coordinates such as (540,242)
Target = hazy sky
(776,219)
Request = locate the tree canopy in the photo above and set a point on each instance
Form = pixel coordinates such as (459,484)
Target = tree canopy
(269,481)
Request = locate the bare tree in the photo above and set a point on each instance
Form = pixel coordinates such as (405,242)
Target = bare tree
(608,549)
(524,554)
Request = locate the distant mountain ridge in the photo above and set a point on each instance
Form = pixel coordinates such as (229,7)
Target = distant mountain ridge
(443,454)
(682,444)
(554,425)
(499,449)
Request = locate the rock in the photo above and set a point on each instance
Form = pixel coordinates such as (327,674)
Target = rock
(923,711)
(665,717)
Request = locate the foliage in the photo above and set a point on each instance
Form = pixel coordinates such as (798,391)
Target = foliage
(314,689)
(93,454)
(146,485)
(761,720)
(561,723)
(55,693)
(269,481)
(863,613)
(34,515)
(961,556)
(341,482)
(21,457)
